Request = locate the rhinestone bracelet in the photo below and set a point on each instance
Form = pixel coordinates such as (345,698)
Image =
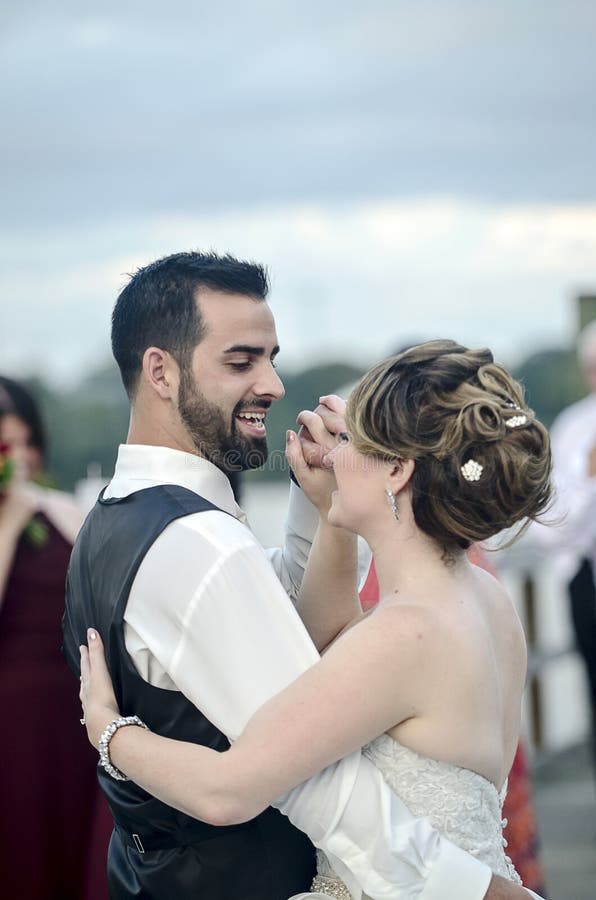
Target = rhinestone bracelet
(104,744)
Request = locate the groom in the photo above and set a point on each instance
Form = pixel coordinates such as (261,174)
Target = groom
(196,620)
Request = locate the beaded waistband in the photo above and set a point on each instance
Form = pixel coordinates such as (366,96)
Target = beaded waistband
(330,887)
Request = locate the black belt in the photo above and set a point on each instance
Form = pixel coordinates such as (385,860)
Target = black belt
(146,841)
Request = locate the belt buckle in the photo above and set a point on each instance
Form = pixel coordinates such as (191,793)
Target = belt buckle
(138,843)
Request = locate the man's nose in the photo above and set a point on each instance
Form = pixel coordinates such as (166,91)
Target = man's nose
(270,384)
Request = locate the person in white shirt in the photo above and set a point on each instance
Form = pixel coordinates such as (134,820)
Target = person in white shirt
(571,545)
(206,614)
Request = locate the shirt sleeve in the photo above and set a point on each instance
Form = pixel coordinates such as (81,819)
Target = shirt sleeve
(289,562)
(232,641)
(374,843)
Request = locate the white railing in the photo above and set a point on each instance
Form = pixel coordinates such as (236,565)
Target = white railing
(556,704)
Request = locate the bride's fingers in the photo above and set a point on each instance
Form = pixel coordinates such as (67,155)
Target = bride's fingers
(324,426)
(97,658)
(85,672)
(313,452)
(85,668)
(334,402)
(322,441)
(332,410)
(102,682)
(295,453)
(333,422)
(313,422)
(95,646)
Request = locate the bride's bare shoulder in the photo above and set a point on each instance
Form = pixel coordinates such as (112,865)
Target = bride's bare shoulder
(406,621)
(494,597)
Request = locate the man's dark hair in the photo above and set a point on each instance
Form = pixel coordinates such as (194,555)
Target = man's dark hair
(158,306)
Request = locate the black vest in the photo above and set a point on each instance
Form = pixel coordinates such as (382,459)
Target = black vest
(156,852)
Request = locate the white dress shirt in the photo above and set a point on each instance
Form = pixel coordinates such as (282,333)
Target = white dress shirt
(572,537)
(208,614)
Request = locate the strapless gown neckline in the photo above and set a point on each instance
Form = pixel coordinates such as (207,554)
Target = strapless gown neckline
(385,743)
(464,806)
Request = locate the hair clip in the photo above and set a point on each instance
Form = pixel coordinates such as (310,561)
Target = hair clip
(516,421)
(472,470)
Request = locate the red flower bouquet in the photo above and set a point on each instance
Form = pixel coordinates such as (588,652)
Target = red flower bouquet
(35,531)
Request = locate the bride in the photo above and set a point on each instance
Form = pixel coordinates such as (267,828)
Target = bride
(439,451)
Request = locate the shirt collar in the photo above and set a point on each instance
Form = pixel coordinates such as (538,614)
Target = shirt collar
(141,465)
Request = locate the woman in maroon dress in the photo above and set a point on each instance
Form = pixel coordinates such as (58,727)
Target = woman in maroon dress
(47,777)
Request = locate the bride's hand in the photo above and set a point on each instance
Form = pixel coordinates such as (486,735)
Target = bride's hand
(97,694)
(331,411)
(317,483)
(308,456)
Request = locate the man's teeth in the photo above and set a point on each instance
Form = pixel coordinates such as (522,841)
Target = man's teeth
(255,419)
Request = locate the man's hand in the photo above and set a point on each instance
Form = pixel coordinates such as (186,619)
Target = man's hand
(307,455)
(318,483)
(331,411)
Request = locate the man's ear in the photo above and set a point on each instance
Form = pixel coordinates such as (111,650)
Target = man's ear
(400,474)
(161,372)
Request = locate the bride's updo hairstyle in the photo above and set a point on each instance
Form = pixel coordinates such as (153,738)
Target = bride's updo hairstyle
(442,405)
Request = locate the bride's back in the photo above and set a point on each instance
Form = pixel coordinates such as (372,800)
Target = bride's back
(443,454)
(468,696)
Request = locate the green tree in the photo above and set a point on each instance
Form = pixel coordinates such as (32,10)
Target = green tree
(552,381)
(86,424)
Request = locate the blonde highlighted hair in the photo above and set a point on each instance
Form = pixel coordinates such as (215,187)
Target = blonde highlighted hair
(441,404)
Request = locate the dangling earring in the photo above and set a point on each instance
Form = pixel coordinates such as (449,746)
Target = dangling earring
(392,504)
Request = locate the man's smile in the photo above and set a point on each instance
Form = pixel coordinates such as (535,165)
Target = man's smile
(252,422)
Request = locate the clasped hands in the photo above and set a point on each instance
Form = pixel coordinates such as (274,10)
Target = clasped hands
(308,452)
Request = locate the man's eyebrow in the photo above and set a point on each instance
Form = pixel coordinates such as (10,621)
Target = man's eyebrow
(252,351)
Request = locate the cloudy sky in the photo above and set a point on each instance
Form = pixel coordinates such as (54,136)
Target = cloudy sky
(405,169)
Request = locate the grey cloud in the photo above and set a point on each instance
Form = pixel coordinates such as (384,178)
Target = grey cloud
(146,107)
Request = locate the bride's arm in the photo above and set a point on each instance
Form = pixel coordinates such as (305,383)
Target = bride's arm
(334,708)
(328,597)
(291,737)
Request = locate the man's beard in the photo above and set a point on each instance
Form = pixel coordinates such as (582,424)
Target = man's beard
(216,440)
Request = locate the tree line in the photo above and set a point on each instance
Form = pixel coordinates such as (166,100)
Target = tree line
(86,424)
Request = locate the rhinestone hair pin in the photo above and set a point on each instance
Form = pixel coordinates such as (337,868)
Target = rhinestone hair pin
(472,470)
(516,421)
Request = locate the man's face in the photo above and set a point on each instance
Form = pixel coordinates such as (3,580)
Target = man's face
(226,392)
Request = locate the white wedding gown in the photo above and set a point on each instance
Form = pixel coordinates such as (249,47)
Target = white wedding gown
(462,805)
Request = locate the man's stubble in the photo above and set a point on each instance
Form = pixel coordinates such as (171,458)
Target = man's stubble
(214,438)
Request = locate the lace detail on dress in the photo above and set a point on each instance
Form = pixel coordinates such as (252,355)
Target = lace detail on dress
(463,805)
